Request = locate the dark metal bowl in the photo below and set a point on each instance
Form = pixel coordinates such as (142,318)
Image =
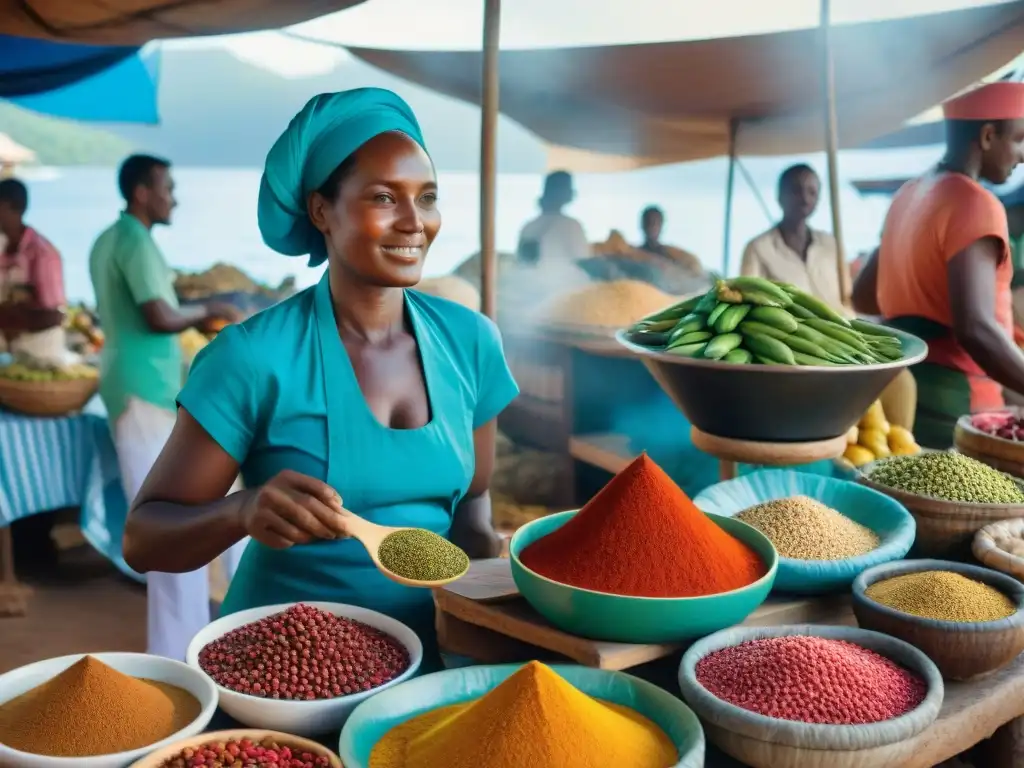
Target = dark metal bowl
(772,403)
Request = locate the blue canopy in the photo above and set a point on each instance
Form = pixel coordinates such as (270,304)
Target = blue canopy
(80,82)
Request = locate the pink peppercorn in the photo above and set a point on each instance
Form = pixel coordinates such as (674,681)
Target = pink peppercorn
(811,680)
(245,754)
(304,654)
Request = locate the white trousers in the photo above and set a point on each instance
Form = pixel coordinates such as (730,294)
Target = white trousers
(178,604)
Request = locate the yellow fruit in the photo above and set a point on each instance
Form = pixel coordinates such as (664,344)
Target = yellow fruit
(852,435)
(874,418)
(875,441)
(858,455)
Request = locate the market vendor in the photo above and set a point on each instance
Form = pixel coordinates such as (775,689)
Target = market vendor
(793,252)
(652,222)
(31,281)
(943,270)
(355,387)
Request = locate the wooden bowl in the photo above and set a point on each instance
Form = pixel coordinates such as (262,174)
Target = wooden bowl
(157,759)
(945,529)
(54,398)
(961,650)
(989,552)
(1005,455)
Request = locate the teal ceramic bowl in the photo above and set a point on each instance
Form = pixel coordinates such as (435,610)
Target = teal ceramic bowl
(376,716)
(625,619)
(884,515)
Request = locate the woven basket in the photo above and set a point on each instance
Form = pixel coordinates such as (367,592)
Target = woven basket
(961,650)
(945,529)
(1005,455)
(988,549)
(47,398)
(767,742)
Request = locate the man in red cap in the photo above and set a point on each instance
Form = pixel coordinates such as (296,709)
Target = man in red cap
(943,269)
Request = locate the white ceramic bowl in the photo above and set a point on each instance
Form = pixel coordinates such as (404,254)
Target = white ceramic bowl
(18,681)
(302,718)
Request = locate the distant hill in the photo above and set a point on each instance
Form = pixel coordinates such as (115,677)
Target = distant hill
(217,110)
(62,142)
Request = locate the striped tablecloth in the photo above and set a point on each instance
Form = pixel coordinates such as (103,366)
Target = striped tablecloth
(48,463)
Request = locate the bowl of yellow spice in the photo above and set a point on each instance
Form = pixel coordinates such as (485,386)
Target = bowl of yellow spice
(508,716)
(967,619)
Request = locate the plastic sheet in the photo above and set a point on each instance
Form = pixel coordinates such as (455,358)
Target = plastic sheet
(884,515)
(376,716)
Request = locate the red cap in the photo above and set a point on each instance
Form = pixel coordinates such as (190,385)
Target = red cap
(995,101)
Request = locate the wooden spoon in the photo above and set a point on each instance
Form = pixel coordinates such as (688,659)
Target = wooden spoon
(371,535)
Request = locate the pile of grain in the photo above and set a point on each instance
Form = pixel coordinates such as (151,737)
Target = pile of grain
(804,529)
(614,304)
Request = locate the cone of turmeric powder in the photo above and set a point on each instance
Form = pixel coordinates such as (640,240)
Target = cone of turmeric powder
(535,719)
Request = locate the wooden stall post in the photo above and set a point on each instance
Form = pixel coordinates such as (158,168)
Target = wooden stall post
(730,183)
(832,145)
(489,160)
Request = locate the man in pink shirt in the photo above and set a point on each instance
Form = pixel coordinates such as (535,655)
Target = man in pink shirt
(31,274)
(31,297)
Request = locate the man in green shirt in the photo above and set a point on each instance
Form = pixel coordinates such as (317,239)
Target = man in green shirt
(141,371)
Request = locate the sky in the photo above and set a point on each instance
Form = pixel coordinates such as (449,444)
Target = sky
(457,25)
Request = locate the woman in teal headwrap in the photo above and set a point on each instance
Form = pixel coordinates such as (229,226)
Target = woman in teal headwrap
(356,387)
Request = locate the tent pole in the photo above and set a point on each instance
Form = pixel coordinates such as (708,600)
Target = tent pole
(489,159)
(832,147)
(730,184)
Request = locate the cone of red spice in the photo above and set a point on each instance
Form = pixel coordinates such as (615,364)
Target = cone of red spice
(642,536)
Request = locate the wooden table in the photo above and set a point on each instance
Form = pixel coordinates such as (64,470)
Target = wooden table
(483,617)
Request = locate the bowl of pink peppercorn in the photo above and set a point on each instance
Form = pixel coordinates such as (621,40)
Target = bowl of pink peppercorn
(302,668)
(242,747)
(846,697)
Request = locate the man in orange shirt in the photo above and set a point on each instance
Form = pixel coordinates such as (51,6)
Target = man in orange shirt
(943,269)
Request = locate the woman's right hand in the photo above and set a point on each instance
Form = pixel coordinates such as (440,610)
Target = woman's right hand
(293,508)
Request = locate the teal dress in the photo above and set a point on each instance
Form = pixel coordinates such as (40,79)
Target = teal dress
(279,392)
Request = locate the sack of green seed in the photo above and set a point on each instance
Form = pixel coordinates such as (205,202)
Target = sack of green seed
(754,320)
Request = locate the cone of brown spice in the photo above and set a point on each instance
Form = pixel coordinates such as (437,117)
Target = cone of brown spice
(92,709)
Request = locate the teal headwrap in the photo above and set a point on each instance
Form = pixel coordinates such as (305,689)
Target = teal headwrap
(328,129)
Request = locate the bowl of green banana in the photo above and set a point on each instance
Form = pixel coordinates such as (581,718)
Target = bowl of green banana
(754,359)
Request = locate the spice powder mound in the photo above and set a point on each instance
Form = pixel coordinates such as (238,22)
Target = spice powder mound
(534,718)
(811,680)
(92,709)
(304,653)
(642,536)
(804,529)
(942,595)
(421,555)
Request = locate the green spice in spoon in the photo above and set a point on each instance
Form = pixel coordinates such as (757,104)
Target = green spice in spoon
(419,555)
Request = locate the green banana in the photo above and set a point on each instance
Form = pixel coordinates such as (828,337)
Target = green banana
(717,312)
(766,361)
(802,359)
(707,302)
(676,311)
(647,338)
(728,320)
(658,325)
(873,329)
(775,317)
(754,328)
(801,313)
(805,347)
(722,345)
(768,347)
(738,355)
(760,285)
(693,337)
(849,337)
(836,348)
(687,350)
(688,324)
(818,307)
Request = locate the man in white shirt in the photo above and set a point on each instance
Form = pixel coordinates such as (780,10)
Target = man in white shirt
(791,251)
(553,238)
